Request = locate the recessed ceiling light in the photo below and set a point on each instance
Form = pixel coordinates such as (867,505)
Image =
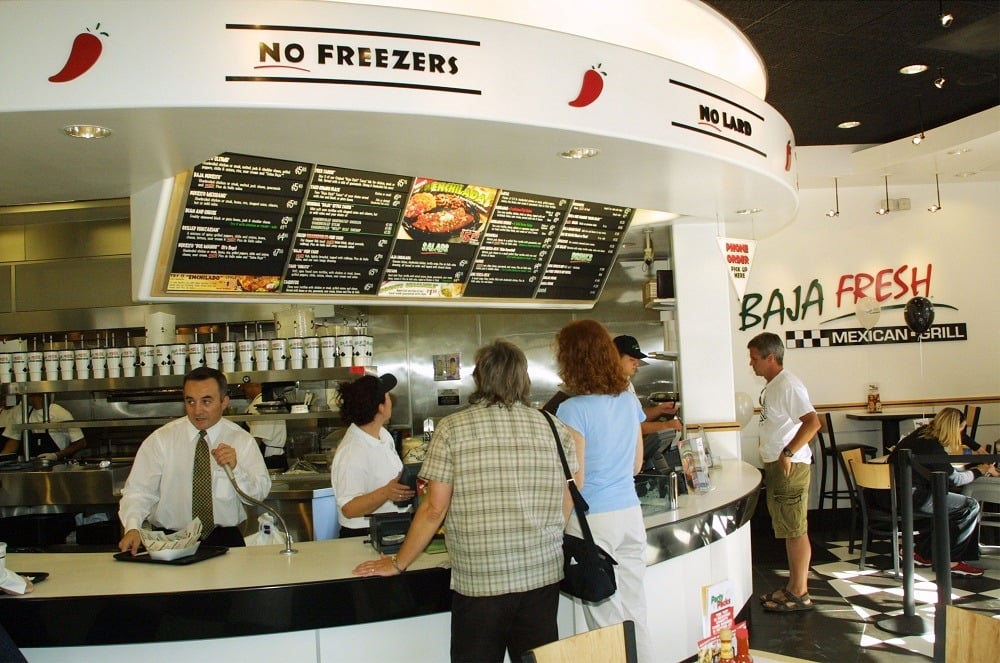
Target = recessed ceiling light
(913,69)
(751,210)
(968,173)
(849,125)
(961,150)
(86,131)
(580,153)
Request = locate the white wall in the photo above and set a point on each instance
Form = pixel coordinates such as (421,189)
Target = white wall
(960,241)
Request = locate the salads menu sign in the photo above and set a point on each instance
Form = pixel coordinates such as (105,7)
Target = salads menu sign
(268,226)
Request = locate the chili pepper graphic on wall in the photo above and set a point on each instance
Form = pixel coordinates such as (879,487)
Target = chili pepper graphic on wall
(83,55)
(590,88)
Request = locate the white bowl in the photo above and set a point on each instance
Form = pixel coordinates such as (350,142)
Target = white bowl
(174,553)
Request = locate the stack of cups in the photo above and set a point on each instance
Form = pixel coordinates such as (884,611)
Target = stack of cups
(51,360)
(196,355)
(261,349)
(66,361)
(178,357)
(296,352)
(212,351)
(328,350)
(82,358)
(19,366)
(245,348)
(227,352)
(279,353)
(146,359)
(162,359)
(99,362)
(35,365)
(5,368)
(114,360)
(131,359)
(312,348)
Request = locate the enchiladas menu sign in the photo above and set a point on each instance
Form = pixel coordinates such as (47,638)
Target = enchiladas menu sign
(267,226)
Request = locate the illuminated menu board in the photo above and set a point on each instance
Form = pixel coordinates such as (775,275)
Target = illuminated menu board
(271,227)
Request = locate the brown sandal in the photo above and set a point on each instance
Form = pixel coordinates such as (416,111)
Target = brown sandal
(787,602)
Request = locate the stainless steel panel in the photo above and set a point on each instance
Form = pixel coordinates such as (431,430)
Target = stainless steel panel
(11,243)
(73,285)
(64,241)
(63,484)
(6,290)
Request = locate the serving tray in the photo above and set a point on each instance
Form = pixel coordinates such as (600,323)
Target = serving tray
(203,553)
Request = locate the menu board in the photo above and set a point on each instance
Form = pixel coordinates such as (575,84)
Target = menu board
(517,245)
(271,227)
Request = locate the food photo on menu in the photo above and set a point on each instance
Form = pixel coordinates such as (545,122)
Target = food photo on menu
(447,211)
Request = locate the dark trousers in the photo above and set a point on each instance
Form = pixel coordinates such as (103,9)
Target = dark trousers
(348,532)
(483,627)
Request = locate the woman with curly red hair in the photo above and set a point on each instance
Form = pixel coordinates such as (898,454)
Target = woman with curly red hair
(607,415)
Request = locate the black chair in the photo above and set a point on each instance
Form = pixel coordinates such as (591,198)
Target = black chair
(971,415)
(830,450)
(873,485)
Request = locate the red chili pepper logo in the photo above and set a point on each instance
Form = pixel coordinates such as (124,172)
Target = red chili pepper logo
(590,90)
(86,50)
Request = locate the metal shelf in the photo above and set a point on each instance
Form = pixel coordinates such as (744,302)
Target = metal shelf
(134,422)
(662,304)
(168,381)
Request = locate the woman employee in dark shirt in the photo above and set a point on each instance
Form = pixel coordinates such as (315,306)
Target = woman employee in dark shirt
(943,437)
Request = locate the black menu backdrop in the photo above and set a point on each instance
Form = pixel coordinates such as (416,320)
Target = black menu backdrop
(586,249)
(346,232)
(259,225)
(239,219)
(517,245)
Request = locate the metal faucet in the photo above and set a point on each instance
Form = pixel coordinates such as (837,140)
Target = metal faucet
(251,500)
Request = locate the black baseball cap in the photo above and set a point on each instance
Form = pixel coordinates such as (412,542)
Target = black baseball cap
(627,345)
(386,382)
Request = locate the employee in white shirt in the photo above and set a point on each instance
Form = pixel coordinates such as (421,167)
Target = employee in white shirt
(51,444)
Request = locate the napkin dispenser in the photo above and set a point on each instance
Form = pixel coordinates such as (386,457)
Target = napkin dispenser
(387,531)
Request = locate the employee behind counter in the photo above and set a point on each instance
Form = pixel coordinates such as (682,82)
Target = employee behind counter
(51,444)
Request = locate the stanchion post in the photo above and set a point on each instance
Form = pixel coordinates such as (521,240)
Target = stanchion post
(941,541)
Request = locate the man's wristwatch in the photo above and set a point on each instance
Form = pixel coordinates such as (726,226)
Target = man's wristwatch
(787,452)
(395,565)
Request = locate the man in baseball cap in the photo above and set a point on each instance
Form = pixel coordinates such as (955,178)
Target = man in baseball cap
(632,358)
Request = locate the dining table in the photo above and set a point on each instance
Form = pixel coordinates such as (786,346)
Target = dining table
(889,420)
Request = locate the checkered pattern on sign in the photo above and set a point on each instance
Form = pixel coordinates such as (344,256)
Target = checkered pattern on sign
(806,338)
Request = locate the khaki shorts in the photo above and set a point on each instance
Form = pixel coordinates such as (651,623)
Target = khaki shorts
(788,498)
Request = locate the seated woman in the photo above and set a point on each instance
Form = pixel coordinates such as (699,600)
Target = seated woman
(366,468)
(943,437)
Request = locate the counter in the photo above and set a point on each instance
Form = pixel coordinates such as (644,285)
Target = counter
(256,603)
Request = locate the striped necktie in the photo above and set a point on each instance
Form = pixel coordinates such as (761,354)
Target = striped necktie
(201,486)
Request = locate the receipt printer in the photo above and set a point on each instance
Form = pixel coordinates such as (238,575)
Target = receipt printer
(387,531)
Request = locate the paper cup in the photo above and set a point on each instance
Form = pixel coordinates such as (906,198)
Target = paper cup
(81,356)
(51,360)
(114,363)
(19,366)
(162,359)
(178,357)
(99,362)
(311,345)
(261,350)
(6,374)
(296,352)
(133,358)
(212,351)
(66,363)
(279,353)
(34,366)
(227,353)
(245,348)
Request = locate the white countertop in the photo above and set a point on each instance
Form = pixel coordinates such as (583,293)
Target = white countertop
(731,480)
(97,574)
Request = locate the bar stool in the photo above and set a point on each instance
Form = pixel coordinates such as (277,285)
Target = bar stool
(829,449)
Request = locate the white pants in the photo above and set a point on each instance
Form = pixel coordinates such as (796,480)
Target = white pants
(623,535)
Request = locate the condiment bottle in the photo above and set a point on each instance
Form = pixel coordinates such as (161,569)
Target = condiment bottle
(726,642)
(743,648)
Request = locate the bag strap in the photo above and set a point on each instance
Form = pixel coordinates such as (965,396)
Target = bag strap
(579,503)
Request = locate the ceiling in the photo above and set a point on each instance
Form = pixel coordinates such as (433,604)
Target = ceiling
(827,60)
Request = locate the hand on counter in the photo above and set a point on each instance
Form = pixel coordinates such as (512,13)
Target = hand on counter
(380,567)
(48,456)
(130,542)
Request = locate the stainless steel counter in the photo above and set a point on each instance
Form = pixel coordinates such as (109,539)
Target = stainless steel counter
(77,485)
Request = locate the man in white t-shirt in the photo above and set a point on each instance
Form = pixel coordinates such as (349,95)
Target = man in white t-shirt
(787,423)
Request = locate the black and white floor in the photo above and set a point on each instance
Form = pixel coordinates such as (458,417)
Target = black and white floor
(850,602)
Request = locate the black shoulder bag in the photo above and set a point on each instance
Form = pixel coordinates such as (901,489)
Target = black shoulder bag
(588,571)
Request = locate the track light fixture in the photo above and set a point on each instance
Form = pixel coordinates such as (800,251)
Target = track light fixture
(884,208)
(937,186)
(946,19)
(940,80)
(835,212)
(919,138)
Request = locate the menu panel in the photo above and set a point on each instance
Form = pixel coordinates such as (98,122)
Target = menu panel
(238,221)
(346,232)
(258,225)
(585,251)
(517,245)
(442,226)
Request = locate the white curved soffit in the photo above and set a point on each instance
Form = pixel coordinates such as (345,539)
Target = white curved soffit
(685,31)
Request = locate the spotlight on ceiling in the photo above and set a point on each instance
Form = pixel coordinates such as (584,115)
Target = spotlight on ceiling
(884,208)
(940,80)
(835,212)
(937,186)
(945,18)
(919,138)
